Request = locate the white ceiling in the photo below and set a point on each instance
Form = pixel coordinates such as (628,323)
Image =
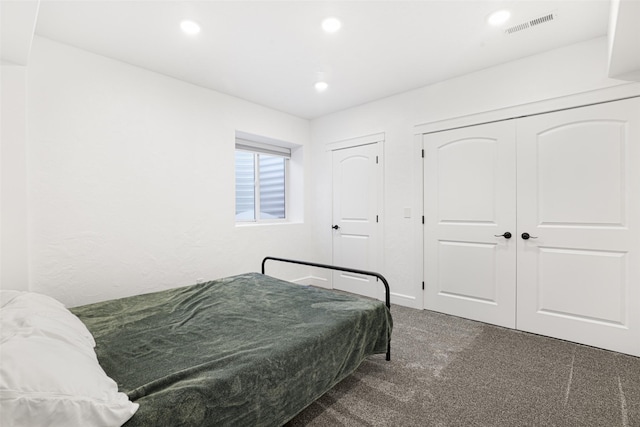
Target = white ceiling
(272,52)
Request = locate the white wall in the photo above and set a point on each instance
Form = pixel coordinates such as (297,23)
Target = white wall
(13,178)
(17,22)
(624,40)
(131,179)
(571,70)
(130,173)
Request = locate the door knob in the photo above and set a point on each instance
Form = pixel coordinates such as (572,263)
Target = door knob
(335,227)
(506,235)
(527,236)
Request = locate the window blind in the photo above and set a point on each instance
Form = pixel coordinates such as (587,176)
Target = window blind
(259,147)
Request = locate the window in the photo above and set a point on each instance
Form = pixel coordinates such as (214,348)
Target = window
(261,181)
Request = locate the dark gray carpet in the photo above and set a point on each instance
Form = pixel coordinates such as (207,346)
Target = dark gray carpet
(448,371)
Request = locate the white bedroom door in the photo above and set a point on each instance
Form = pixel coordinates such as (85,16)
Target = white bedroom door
(356,236)
(579,200)
(469,206)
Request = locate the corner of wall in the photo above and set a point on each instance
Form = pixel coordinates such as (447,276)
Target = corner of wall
(13,179)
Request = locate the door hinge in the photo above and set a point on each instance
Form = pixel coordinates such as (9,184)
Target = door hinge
(423,219)
(423,286)
(376,218)
(423,153)
(376,160)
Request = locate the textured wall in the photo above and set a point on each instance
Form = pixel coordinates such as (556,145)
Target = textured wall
(131,179)
(13,179)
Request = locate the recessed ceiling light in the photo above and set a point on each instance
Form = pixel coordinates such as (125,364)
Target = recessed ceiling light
(331,25)
(499,17)
(190,27)
(321,86)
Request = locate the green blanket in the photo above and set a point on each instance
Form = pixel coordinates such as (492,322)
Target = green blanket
(240,351)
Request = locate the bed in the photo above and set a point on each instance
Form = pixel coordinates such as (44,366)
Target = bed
(243,350)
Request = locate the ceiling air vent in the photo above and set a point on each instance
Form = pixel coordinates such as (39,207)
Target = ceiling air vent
(531,23)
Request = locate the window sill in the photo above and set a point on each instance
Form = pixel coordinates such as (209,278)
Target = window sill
(266,223)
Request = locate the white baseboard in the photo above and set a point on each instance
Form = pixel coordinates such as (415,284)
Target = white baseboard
(405,300)
(313,281)
(321,282)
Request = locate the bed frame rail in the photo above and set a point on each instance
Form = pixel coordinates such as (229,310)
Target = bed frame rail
(348,270)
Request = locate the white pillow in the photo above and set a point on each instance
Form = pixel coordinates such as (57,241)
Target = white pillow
(50,377)
(36,314)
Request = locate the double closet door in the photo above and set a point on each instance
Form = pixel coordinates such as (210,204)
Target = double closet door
(534,223)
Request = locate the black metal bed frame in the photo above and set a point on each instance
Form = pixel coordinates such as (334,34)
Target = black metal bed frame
(348,270)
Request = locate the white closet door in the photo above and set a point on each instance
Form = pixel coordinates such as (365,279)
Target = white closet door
(470,193)
(579,196)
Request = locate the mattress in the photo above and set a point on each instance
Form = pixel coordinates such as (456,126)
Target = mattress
(244,350)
